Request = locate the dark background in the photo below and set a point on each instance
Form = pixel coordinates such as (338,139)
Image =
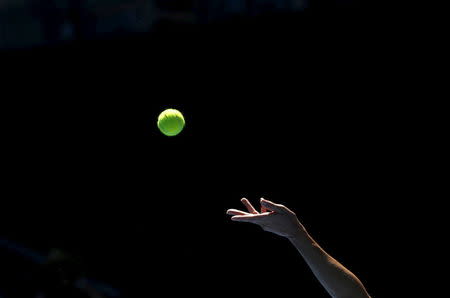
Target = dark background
(288,107)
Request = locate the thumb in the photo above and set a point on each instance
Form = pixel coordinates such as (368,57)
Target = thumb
(272,206)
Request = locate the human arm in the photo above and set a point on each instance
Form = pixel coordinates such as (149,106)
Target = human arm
(278,219)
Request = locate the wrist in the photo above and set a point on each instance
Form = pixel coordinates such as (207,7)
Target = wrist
(297,233)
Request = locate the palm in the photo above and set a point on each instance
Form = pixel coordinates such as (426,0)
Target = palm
(272,217)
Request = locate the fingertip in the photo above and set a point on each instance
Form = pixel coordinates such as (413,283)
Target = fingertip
(230,212)
(237,212)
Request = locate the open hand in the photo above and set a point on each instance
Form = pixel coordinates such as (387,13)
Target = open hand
(274,218)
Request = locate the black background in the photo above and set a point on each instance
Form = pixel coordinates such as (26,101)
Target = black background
(270,112)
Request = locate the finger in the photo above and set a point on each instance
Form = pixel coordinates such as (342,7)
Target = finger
(249,206)
(236,212)
(253,218)
(272,206)
(263,209)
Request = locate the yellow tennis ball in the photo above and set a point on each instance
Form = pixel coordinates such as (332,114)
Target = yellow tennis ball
(171,122)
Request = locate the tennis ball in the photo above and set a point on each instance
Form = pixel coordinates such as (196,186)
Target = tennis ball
(171,122)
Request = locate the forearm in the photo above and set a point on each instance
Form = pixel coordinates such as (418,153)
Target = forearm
(334,277)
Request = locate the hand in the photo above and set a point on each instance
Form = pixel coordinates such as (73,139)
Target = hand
(274,218)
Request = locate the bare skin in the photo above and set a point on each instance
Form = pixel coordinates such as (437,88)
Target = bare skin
(278,219)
